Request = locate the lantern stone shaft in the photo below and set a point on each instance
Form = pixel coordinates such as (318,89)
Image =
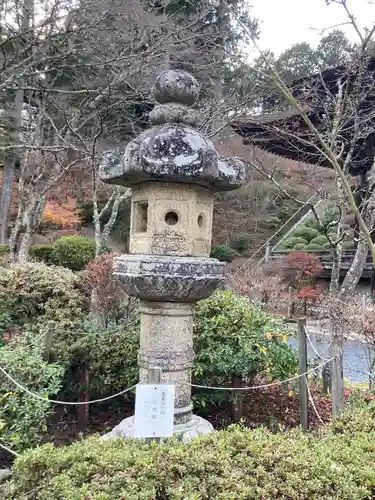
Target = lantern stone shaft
(173,171)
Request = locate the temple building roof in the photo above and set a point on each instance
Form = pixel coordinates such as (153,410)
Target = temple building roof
(285,133)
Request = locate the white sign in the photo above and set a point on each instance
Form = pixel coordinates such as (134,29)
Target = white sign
(154,409)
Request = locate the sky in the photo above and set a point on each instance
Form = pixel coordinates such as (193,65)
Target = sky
(286,22)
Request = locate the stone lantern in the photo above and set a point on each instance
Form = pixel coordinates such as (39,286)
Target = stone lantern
(173,171)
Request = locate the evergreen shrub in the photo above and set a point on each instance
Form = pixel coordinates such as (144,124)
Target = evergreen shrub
(240,242)
(42,252)
(292,241)
(237,463)
(73,252)
(23,418)
(307,233)
(33,291)
(223,253)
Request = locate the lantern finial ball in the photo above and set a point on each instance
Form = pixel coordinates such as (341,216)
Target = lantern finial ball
(176,86)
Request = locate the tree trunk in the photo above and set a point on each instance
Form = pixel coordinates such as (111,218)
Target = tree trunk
(32,219)
(10,162)
(15,119)
(356,269)
(15,235)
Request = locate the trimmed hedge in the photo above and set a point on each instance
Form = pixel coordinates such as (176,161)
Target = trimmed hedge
(321,240)
(240,242)
(42,252)
(223,253)
(233,464)
(311,247)
(307,233)
(299,246)
(73,252)
(292,241)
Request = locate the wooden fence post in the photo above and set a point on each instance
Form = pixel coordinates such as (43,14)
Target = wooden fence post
(337,374)
(153,377)
(267,256)
(303,389)
(48,337)
(290,304)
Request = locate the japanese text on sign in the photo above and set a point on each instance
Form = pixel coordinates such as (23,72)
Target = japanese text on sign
(154,409)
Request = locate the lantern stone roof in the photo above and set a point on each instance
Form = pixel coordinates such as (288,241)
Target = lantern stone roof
(285,133)
(172,150)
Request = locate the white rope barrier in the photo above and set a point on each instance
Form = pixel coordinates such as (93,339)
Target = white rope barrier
(313,403)
(313,347)
(73,403)
(9,450)
(263,386)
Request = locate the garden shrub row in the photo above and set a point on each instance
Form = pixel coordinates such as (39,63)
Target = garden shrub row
(314,235)
(233,464)
(73,252)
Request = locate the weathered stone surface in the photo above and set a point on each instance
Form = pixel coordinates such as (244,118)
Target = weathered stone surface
(165,278)
(173,113)
(5,474)
(174,153)
(166,341)
(196,427)
(175,86)
(151,231)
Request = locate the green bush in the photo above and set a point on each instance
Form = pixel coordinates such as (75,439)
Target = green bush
(33,292)
(73,252)
(234,341)
(110,355)
(240,242)
(4,249)
(307,233)
(321,240)
(223,253)
(237,463)
(292,241)
(311,222)
(22,417)
(42,252)
(299,246)
(313,247)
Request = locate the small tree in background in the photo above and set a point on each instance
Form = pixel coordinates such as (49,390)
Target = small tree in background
(109,297)
(261,285)
(300,270)
(240,242)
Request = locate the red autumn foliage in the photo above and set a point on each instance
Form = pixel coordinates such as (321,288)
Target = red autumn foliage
(300,268)
(309,292)
(98,278)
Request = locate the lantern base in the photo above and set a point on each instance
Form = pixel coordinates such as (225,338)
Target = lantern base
(197,426)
